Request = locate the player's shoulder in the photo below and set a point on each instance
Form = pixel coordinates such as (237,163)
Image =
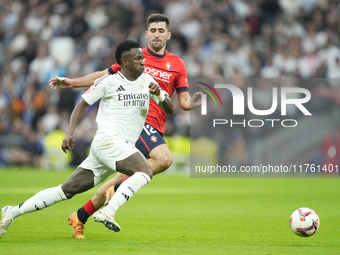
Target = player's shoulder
(110,80)
(147,77)
(116,77)
(102,79)
(174,58)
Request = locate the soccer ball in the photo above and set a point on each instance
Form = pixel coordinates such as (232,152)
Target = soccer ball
(304,222)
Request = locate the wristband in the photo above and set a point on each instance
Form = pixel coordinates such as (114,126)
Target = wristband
(161,96)
(60,78)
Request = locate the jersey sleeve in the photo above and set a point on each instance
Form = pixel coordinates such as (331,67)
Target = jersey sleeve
(96,91)
(181,82)
(114,68)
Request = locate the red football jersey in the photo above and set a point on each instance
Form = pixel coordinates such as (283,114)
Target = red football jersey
(170,73)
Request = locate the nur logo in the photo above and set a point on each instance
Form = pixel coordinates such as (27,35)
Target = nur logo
(204,97)
(239,104)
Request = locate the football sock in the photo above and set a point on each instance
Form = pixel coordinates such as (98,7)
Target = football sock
(126,178)
(15,211)
(42,199)
(126,190)
(86,211)
(116,186)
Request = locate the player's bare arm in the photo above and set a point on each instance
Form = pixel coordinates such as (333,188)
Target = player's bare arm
(85,81)
(188,103)
(166,104)
(77,113)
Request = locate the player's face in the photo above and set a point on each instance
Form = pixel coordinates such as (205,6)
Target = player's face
(157,35)
(135,61)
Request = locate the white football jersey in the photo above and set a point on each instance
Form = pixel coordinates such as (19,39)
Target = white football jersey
(123,107)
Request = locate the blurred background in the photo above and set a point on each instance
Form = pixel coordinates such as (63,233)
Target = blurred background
(237,39)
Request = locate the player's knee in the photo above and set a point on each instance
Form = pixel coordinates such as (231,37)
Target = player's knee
(69,190)
(168,161)
(165,162)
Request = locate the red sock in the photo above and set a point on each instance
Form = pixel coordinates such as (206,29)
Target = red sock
(86,211)
(89,207)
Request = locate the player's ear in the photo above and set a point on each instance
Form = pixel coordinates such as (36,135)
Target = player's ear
(146,34)
(124,61)
(169,35)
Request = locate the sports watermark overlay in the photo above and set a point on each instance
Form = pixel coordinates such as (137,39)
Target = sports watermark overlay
(285,127)
(267,169)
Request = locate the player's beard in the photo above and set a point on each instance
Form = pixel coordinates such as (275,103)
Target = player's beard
(159,46)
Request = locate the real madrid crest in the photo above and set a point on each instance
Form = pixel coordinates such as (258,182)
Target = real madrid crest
(141,85)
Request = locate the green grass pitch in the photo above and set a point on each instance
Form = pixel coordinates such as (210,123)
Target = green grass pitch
(176,214)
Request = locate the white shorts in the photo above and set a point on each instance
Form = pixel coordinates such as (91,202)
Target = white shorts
(103,157)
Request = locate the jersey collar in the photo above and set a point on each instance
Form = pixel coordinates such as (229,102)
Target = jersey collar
(121,75)
(154,54)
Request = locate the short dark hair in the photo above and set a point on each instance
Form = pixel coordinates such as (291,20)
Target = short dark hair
(123,47)
(157,17)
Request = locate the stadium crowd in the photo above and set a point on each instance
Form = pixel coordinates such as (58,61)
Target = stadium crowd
(216,39)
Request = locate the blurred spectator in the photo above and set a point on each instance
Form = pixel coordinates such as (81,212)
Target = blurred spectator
(78,24)
(269,70)
(330,149)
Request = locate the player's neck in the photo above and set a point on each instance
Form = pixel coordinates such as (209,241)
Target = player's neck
(129,75)
(156,51)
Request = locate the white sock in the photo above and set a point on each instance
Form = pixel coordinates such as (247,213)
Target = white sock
(43,199)
(15,211)
(126,190)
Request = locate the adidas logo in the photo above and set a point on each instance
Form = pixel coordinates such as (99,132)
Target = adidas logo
(120,88)
(37,208)
(126,196)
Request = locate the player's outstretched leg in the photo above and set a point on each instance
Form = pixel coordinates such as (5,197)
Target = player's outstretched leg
(81,180)
(39,201)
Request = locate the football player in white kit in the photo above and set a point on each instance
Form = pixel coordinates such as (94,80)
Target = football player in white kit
(121,115)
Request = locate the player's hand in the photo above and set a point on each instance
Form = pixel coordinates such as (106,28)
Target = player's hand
(60,83)
(68,143)
(154,89)
(197,99)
